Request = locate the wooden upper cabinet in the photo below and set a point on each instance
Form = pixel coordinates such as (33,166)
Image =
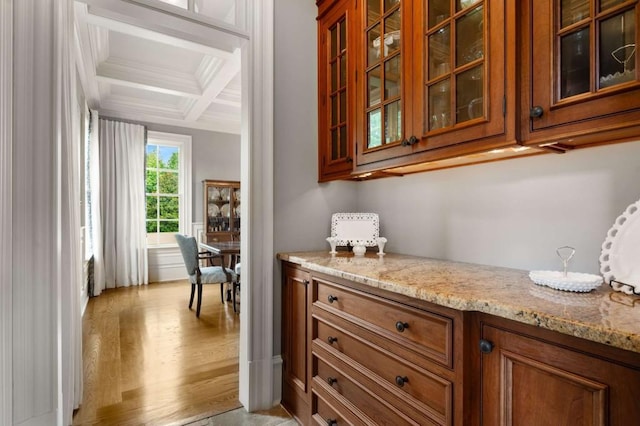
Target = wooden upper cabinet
(336,88)
(437,87)
(581,68)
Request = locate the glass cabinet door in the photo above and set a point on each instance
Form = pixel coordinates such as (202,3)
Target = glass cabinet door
(455,56)
(222,208)
(610,28)
(383,73)
(336,90)
(583,63)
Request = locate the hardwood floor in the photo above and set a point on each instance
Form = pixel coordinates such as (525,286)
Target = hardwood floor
(149,361)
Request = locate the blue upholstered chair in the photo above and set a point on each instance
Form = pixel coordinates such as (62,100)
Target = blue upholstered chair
(236,284)
(206,275)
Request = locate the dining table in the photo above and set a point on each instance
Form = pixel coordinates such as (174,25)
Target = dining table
(229,249)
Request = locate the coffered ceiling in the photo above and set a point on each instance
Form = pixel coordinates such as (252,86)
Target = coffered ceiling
(143,64)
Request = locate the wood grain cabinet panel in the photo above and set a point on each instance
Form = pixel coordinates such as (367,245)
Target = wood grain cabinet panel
(527,381)
(295,344)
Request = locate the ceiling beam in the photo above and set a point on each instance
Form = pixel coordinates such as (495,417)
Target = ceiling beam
(215,84)
(113,22)
(140,76)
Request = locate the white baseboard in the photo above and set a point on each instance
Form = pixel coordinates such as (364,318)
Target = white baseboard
(276,361)
(46,419)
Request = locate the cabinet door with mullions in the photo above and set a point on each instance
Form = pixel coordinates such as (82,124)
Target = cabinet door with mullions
(336,90)
(582,62)
(384,62)
(461,73)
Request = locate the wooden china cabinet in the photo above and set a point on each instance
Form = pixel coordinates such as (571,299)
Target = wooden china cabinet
(432,81)
(581,70)
(221,210)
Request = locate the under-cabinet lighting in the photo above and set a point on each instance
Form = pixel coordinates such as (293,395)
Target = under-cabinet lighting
(520,148)
(364,175)
(496,151)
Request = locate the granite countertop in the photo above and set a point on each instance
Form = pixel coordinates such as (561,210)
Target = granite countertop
(603,315)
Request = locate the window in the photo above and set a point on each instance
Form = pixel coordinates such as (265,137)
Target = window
(168,187)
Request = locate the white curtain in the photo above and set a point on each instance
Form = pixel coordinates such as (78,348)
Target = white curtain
(69,254)
(93,204)
(122,200)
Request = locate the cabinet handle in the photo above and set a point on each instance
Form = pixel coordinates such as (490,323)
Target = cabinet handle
(401,380)
(305,282)
(485,346)
(401,326)
(536,112)
(332,340)
(349,160)
(332,422)
(332,298)
(332,380)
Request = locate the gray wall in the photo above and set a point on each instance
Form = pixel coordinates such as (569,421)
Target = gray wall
(302,207)
(513,213)
(214,156)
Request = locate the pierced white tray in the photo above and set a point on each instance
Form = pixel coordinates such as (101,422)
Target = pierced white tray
(620,256)
(574,281)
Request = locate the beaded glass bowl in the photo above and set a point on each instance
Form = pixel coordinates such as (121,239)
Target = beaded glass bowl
(573,281)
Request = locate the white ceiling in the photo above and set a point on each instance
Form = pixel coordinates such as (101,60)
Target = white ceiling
(138,63)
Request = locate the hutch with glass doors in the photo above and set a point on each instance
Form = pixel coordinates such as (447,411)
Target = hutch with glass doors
(221,210)
(424,84)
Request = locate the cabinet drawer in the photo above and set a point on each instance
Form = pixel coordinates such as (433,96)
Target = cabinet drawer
(328,410)
(376,410)
(432,394)
(424,332)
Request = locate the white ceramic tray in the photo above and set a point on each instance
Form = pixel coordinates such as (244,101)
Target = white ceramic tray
(574,281)
(620,256)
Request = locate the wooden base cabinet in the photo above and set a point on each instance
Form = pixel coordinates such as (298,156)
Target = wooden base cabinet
(357,355)
(529,380)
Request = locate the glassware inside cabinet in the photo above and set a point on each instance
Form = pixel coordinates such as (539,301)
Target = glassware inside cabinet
(601,29)
(617,49)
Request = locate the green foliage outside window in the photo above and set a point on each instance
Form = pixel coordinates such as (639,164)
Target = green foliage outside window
(162,188)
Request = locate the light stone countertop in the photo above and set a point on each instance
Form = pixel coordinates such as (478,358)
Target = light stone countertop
(603,315)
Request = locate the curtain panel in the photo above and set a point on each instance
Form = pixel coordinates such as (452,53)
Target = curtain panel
(122,205)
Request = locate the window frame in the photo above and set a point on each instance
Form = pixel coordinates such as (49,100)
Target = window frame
(183,142)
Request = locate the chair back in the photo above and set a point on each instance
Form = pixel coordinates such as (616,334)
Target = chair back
(189,249)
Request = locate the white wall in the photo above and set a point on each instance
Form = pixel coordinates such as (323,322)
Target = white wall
(513,213)
(302,207)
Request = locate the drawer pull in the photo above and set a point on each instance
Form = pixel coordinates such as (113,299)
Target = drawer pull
(332,298)
(401,380)
(332,340)
(332,422)
(332,380)
(401,326)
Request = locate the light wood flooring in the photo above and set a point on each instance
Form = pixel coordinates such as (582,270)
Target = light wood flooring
(149,361)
